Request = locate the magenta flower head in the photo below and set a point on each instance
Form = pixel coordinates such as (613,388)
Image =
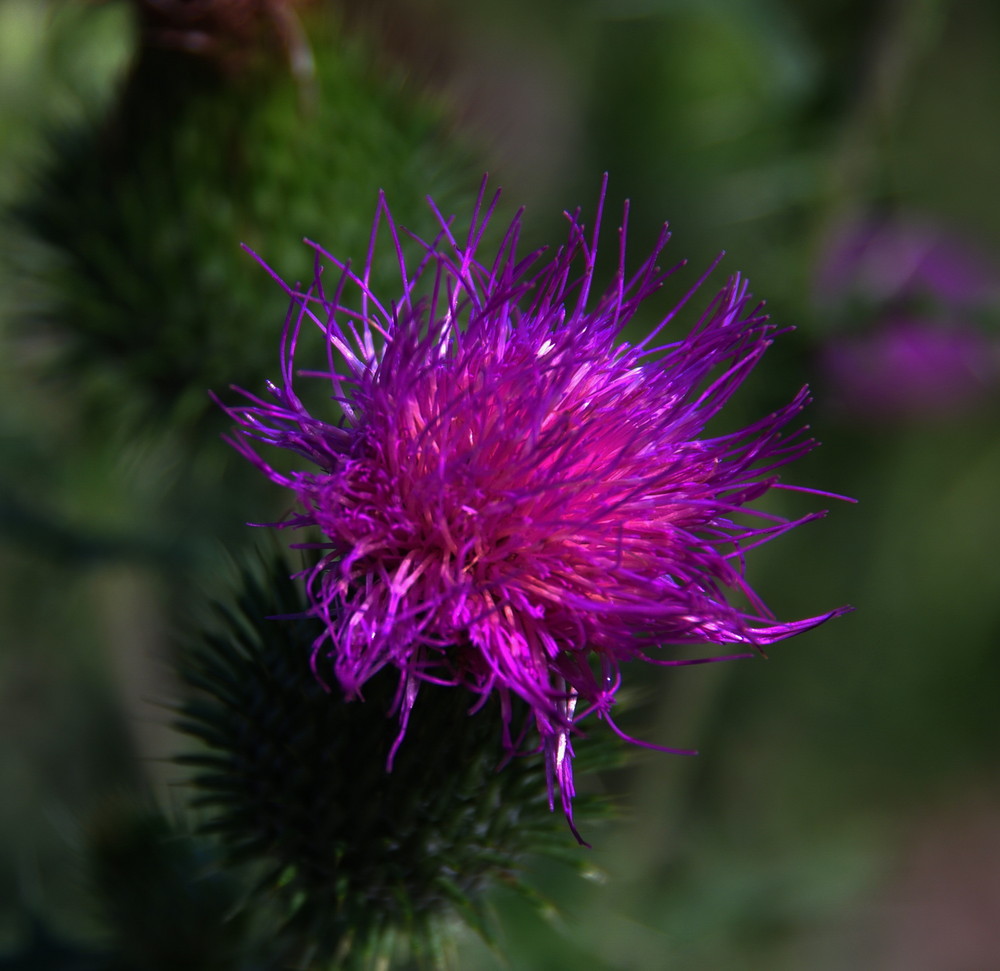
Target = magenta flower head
(911,306)
(504,494)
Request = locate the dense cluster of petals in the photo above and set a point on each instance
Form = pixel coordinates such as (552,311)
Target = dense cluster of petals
(507,495)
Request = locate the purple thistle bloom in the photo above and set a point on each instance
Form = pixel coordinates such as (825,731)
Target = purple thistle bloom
(883,260)
(910,300)
(513,499)
(909,367)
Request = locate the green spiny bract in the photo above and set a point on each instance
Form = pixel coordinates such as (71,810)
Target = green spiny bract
(140,219)
(354,862)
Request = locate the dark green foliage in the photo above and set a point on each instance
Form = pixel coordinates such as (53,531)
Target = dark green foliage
(166,903)
(354,861)
(44,951)
(141,218)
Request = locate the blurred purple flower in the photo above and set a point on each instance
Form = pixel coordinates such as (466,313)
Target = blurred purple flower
(911,367)
(888,261)
(511,498)
(912,299)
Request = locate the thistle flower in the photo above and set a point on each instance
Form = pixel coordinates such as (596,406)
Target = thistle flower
(905,259)
(508,496)
(912,368)
(912,310)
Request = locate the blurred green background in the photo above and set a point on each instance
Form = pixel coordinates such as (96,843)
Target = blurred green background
(845,809)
